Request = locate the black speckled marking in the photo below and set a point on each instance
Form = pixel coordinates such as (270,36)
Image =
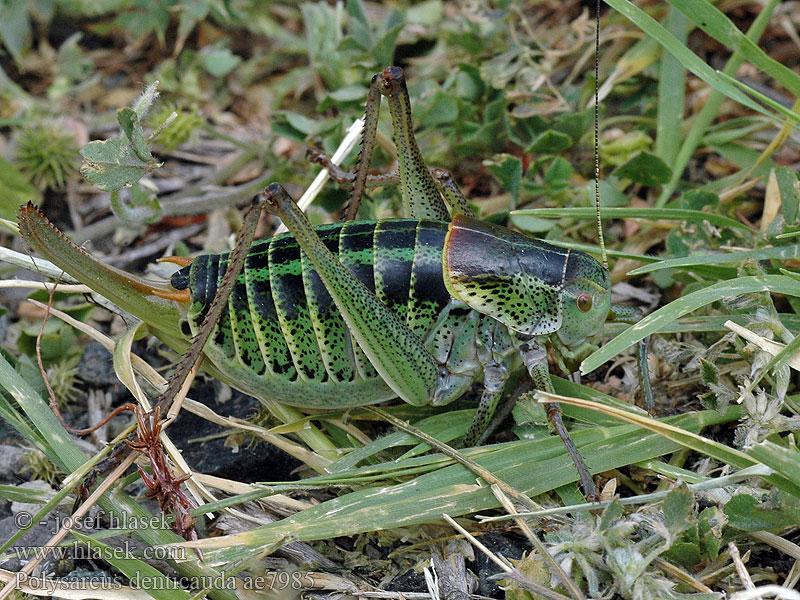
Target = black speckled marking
(333,336)
(248,350)
(428,295)
(509,276)
(289,296)
(264,317)
(356,253)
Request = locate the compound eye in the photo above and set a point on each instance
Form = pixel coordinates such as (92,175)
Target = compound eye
(584,302)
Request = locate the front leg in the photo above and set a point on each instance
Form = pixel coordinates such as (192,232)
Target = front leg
(534,356)
(398,354)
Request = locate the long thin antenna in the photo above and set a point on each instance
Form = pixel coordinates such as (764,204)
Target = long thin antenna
(597,134)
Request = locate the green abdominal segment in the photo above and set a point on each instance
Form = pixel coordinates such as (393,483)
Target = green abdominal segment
(281,335)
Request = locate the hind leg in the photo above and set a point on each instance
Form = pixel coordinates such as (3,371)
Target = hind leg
(422,198)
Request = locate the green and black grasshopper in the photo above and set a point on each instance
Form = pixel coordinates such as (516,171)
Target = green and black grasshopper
(359,312)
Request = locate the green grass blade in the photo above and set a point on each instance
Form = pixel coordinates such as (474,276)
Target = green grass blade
(652,214)
(745,158)
(712,106)
(450,425)
(444,427)
(783,460)
(10,414)
(734,130)
(454,490)
(711,20)
(687,439)
(720,258)
(777,106)
(671,92)
(665,315)
(57,444)
(688,58)
(705,323)
(693,441)
(158,585)
(13,493)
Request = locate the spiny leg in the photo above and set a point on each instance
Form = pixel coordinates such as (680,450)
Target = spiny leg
(235,265)
(535,358)
(163,485)
(398,354)
(421,196)
(495,348)
(368,136)
(494,380)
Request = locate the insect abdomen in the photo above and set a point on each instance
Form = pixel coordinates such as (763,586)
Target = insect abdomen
(281,323)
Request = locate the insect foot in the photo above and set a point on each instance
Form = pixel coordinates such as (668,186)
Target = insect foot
(272,198)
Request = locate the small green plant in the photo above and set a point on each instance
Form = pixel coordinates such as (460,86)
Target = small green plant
(62,376)
(122,161)
(617,553)
(180,129)
(47,154)
(41,467)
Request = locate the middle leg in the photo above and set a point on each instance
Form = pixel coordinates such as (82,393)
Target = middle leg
(534,356)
